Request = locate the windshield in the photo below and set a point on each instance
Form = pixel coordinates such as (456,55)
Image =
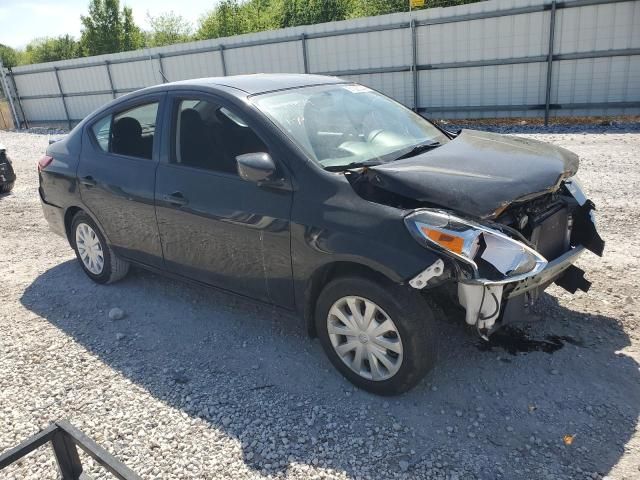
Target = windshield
(348,124)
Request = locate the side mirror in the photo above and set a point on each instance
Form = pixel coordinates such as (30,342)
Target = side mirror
(256,167)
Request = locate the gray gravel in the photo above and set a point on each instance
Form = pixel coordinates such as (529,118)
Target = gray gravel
(186,382)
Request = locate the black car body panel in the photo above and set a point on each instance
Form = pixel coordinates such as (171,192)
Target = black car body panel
(477,173)
(274,242)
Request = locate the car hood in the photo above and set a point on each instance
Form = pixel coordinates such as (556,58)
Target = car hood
(477,173)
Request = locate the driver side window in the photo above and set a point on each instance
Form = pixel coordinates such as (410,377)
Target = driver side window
(209,136)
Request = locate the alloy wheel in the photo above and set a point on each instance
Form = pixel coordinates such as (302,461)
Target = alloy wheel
(365,338)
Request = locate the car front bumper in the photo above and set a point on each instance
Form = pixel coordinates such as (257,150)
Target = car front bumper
(552,271)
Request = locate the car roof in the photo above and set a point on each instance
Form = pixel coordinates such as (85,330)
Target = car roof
(259,82)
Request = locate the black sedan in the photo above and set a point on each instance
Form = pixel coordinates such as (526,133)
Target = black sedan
(7,175)
(327,198)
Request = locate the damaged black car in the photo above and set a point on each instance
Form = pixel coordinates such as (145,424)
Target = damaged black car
(326,198)
(7,175)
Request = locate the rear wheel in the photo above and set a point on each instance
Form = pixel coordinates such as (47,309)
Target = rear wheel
(380,337)
(97,258)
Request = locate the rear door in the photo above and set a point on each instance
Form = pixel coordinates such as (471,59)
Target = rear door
(116,173)
(216,227)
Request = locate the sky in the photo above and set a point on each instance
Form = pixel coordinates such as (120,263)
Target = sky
(22,21)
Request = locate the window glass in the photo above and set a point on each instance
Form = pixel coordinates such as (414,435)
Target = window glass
(131,132)
(341,124)
(101,131)
(211,137)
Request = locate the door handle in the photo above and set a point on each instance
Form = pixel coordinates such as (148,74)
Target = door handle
(176,198)
(88,181)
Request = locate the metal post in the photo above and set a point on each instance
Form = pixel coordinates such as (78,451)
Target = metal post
(64,102)
(5,87)
(305,60)
(67,456)
(224,64)
(164,77)
(15,89)
(113,91)
(414,61)
(552,28)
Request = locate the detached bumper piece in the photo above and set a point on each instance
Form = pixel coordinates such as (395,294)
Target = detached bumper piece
(573,280)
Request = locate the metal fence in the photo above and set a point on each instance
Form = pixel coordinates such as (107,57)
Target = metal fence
(497,58)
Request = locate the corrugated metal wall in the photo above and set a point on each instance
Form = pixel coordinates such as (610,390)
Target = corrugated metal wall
(487,59)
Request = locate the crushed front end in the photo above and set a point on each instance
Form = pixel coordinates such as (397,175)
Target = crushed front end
(502,264)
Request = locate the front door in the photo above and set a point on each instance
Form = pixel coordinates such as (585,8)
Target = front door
(117,177)
(214,226)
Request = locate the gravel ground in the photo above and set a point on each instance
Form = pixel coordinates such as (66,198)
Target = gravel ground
(193,383)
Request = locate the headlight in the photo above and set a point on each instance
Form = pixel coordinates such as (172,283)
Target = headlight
(492,255)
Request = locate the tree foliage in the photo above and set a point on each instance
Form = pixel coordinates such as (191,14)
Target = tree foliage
(107,29)
(9,56)
(51,49)
(167,29)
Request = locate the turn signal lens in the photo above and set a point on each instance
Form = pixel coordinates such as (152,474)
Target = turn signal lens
(44,162)
(448,241)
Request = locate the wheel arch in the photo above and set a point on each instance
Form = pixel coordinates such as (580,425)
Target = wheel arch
(71,212)
(328,272)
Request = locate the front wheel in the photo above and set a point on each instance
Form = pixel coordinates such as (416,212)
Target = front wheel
(97,258)
(380,337)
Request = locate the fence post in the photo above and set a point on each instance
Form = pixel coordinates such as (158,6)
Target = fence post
(64,102)
(15,89)
(113,91)
(552,28)
(164,77)
(414,62)
(224,64)
(67,456)
(7,92)
(305,60)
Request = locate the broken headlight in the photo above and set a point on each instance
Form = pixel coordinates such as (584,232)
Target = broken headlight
(491,255)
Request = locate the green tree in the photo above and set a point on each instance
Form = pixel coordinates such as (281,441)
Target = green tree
(228,18)
(131,35)
(9,56)
(308,12)
(107,29)
(51,49)
(167,29)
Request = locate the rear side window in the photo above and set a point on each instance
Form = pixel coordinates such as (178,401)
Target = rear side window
(210,137)
(129,132)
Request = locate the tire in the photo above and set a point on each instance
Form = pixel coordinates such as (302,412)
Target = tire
(6,188)
(414,324)
(113,268)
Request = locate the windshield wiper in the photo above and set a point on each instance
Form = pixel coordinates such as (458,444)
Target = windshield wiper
(418,149)
(349,166)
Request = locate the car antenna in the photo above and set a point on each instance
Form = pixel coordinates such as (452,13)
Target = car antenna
(164,76)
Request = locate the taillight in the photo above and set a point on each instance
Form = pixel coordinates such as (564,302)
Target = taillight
(44,162)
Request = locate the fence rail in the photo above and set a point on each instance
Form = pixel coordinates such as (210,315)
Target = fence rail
(495,58)
(65,438)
